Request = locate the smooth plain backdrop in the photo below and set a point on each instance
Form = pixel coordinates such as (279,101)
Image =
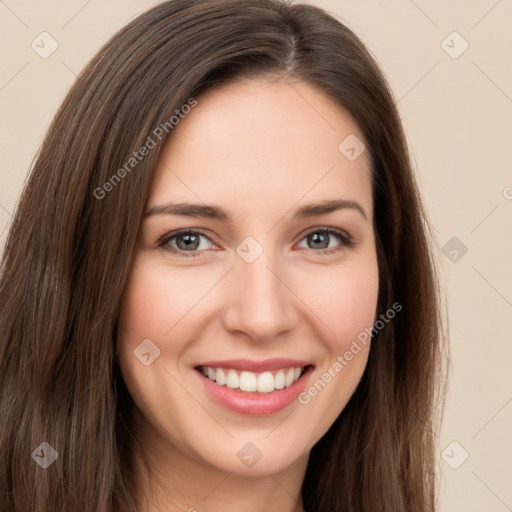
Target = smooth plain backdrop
(450,67)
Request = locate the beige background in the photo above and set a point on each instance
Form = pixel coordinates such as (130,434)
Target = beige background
(457,113)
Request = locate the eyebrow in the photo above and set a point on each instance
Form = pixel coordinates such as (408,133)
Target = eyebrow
(217,213)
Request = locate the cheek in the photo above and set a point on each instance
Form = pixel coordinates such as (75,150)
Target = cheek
(155,306)
(344,299)
(143,311)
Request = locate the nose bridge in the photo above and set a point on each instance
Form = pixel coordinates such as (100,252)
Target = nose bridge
(260,304)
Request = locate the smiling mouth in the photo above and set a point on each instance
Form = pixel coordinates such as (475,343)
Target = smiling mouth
(251,382)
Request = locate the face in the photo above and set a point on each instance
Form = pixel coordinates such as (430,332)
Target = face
(268,292)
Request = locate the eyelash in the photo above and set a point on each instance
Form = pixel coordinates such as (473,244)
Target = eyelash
(346,241)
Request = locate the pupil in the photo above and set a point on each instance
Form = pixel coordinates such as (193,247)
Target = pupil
(188,243)
(324,237)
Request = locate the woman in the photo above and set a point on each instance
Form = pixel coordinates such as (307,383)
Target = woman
(173,338)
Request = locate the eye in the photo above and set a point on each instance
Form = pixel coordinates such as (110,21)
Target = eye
(322,245)
(186,241)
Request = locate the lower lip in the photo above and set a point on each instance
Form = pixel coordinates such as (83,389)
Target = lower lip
(255,404)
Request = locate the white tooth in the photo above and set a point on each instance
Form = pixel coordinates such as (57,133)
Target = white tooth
(211,373)
(232,380)
(220,376)
(265,382)
(279,380)
(248,381)
(288,380)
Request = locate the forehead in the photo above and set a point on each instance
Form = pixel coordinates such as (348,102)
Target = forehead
(260,142)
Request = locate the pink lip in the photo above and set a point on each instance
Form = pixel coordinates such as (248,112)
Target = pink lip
(256,366)
(255,404)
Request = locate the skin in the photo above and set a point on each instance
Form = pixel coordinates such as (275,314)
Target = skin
(259,149)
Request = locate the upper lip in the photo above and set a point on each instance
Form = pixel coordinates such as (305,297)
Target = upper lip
(257,366)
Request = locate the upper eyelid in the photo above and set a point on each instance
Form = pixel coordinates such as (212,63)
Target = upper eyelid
(172,234)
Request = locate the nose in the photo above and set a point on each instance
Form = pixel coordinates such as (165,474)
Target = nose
(260,302)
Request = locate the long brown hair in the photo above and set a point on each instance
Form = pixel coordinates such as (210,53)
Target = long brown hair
(69,251)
